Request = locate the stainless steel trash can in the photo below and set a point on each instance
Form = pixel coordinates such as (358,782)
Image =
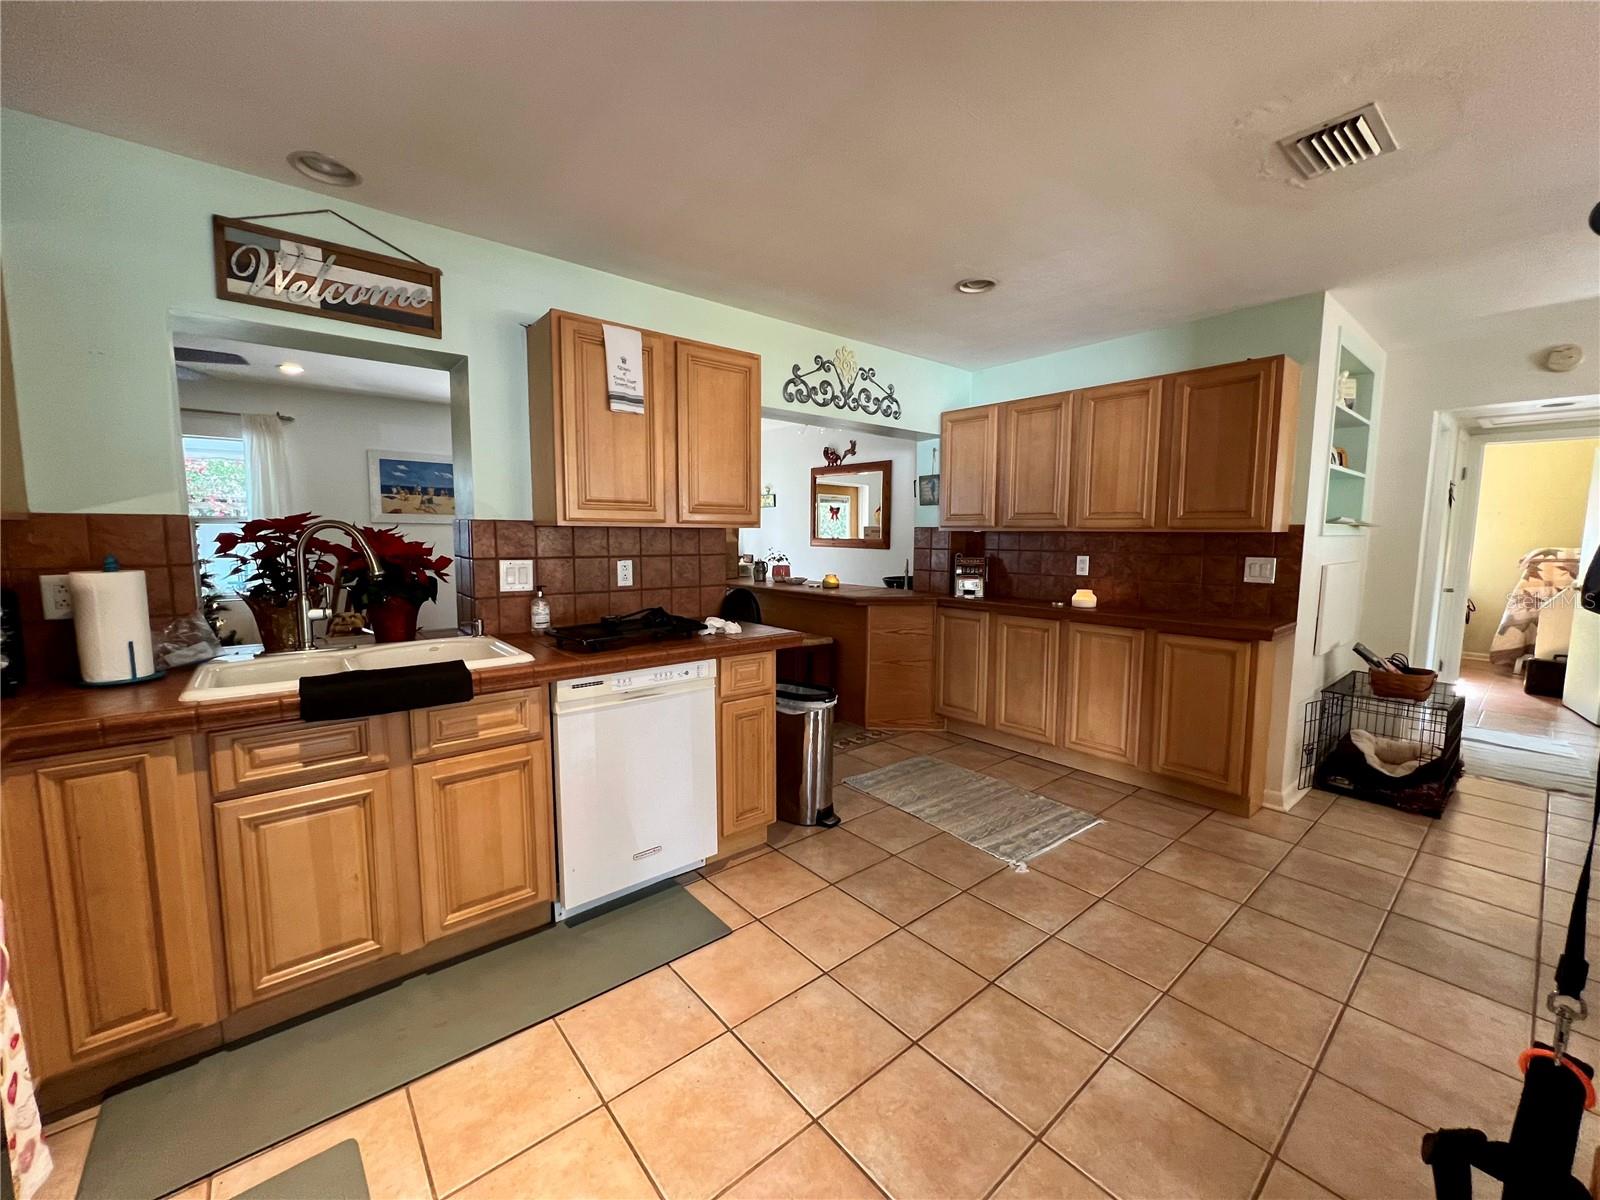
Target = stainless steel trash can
(805,754)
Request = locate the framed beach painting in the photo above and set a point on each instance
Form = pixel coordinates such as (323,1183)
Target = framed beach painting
(410,488)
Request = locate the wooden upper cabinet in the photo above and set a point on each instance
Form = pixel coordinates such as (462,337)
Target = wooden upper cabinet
(718,435)
(1035,436)
(485,836)
(1027,652)
(693,457)
(1116,455)
(969,446)
(105,883)
(589,463)
(747,756)
(961,659)
(1230,445)
(308,883)
(1201,714)
(1105,691)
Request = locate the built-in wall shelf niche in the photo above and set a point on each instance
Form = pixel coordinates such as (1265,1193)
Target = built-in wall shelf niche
(1346,506)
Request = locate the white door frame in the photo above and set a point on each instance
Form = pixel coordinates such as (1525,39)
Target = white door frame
(1451,528)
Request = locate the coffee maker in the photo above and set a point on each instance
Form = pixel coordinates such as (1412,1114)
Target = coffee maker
(971,573)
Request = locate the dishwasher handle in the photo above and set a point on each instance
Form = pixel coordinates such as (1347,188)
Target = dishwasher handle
(612,699)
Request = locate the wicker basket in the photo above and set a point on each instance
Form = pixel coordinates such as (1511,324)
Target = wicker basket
(1409,683)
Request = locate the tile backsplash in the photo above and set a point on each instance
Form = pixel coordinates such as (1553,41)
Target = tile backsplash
(682,570)
(53,543)
(1151,572)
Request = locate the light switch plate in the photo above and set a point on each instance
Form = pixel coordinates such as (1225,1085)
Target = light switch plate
(624,572)
(1260,570)
(55,597)
(516,574)
(1083,564)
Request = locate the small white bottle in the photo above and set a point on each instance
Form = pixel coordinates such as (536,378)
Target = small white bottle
(541,610)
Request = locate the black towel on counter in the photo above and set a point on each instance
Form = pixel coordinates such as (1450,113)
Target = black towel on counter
(386,690)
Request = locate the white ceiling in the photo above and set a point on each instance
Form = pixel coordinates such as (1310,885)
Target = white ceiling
(323,372)
(841,165)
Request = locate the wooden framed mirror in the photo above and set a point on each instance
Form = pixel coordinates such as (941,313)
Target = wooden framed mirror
(850,505)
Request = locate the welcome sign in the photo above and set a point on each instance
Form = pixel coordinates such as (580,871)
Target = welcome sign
(277,269)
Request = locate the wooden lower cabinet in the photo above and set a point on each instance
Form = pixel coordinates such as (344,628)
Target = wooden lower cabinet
(308,883)
(1202,710)
(1104,696)
(106,903)
(1027,653)
(747,754)
(483,836)
(961,655)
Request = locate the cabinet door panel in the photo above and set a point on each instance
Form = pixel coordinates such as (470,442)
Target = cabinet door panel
(1026,655)
(963,665)
(1224,470)
(1116,451)
(969,446)
(1035,437)
(308,883)
(719,435)
(113,933)
(1202,710)
(484,836)
(747,764)
(1105,686)
(615,466)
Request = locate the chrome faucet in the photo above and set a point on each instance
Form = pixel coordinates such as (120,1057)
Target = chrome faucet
(303,598)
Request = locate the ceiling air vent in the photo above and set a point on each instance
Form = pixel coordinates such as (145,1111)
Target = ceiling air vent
(1352,139)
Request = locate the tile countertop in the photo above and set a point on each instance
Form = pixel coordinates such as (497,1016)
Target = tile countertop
(1250,629)
(48,717)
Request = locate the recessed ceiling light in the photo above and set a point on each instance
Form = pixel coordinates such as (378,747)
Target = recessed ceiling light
(975,287)
(291,368)
(313,164)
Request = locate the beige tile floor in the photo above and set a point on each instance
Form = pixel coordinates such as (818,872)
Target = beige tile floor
(1178,1004)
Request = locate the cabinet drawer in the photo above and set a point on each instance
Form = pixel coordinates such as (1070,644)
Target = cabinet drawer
(247,761)
(498,720)
(747,675)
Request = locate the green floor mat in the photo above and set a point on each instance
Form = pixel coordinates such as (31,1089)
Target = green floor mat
(156,1137)
(335,1174)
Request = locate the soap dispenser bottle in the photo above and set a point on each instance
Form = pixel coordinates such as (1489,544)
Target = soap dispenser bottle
(541,610)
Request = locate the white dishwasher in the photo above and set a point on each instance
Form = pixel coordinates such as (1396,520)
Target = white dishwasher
(636,779)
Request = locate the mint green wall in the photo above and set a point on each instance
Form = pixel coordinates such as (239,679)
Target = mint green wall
(106,243)
(1289,327)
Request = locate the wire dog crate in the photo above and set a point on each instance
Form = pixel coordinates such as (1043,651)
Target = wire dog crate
(1419,740)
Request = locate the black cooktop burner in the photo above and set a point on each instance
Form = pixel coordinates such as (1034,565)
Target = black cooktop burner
(630,629)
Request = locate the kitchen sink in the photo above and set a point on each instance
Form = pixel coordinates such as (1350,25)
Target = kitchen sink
(239,677)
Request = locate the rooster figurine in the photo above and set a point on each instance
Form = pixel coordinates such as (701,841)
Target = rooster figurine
(833,458)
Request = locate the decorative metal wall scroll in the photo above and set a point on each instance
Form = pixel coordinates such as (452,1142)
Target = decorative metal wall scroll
(256,264)
(858,389)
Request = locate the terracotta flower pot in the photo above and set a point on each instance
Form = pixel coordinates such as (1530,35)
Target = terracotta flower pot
(393,618)
(278,622)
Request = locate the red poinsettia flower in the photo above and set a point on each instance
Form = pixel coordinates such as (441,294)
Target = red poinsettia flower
(410,568)
(263,551)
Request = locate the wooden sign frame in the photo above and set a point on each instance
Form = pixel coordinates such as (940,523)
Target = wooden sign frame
(331,268)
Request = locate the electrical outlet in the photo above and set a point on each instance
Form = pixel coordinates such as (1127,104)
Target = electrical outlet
(1261,570)
(624,572)
(516,574)
(1083,564)
(55,597)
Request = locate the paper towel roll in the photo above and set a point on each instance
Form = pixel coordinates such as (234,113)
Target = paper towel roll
(113,619)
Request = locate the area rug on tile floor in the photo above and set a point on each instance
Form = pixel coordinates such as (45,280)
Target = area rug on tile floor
(1541,768)
(848,737)
(155,1137)
(335,1174)
(996,817)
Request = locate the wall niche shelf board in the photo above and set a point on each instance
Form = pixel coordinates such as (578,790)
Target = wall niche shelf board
(1345,507)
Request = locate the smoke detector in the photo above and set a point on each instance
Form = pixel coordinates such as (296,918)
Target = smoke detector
(1351,139)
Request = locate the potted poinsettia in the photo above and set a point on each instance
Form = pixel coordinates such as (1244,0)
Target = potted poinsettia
(263,556)
(411,577)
